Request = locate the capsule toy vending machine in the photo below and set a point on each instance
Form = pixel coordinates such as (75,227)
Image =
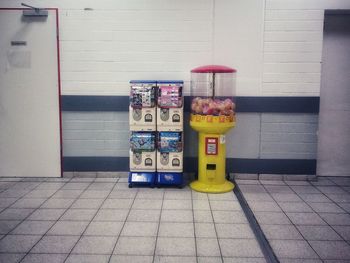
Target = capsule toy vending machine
(170,133)
(142,121)
(212,116)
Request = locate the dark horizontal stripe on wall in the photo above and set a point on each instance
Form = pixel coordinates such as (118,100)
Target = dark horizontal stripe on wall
(233,165)
(244,104)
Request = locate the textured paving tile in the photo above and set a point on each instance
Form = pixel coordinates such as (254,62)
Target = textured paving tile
(175,246)
(208,247)
(344,231)
(78,214)
(15,213)
(11,257)
(111,215)
(126,246)
(240,248)
(130,259)
(295,207)
(272,218)
(88,203)
(258,206)
(336,219)
(285,232)
(88,259)
(140,229)
(205,230)
(28,203)
(318,233)
(95,245)
(177,216)
(58,203)
(18,243)
(7,225)
(149,215)
(234,231)
(326,208)
(176,230)
(99,228)
(68,228)
(292,249)
(46,214)
(43,258)
(315,198)
(332,249)
(33,227)
(306,219)
(55,244)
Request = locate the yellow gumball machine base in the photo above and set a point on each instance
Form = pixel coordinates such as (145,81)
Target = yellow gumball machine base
(212,153)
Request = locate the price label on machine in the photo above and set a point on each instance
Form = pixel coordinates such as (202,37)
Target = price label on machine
(211,146)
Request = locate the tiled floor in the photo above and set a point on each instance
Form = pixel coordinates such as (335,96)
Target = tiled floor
(303,221)
(102,220)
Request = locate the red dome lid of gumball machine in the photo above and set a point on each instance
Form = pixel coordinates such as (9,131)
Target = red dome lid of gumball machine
(213,69)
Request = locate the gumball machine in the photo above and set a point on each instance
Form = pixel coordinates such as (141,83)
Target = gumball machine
(212,116)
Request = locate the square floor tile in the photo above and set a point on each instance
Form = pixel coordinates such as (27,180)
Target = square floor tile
(28,203)
(229,217)
(272,218)
(67,194)
(281,232)
(46,214)
(258,206)
(95,245)
(140,215)
(339,198)
(344,231)
(43,258)
(55,244)
(11,257)
(185,204)
(15,213)
(50,186)
(18,243)
(345,206)
(305,219)
(177,195)
(79,214)
(332,249)
(120,194)
(176,230)
(140,229)
(88,259)
(261,197)
(150,194)
(98,228)
(286,197)
(205,230)
(209,259)
(33,227)
(177,216)
(75,186)
(92,194)
(7,225)
(234,231)
(40,193)
(111,215)
(301,189)
(87,203)
(199,196)
(6,202)
(201,204)
(326,208)
(203,216)
(240,248)
(225,205)
(58,203)
(208,247)
(131,259)
(336,219)
(292,249)
(318,233)
(101,186)
(318,198)
(295,207)
(70,228)
(175,246)
(117,203)
(147,204)
(127,246)
(230,196)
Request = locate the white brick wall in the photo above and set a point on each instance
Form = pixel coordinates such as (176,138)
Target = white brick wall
(293,35)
